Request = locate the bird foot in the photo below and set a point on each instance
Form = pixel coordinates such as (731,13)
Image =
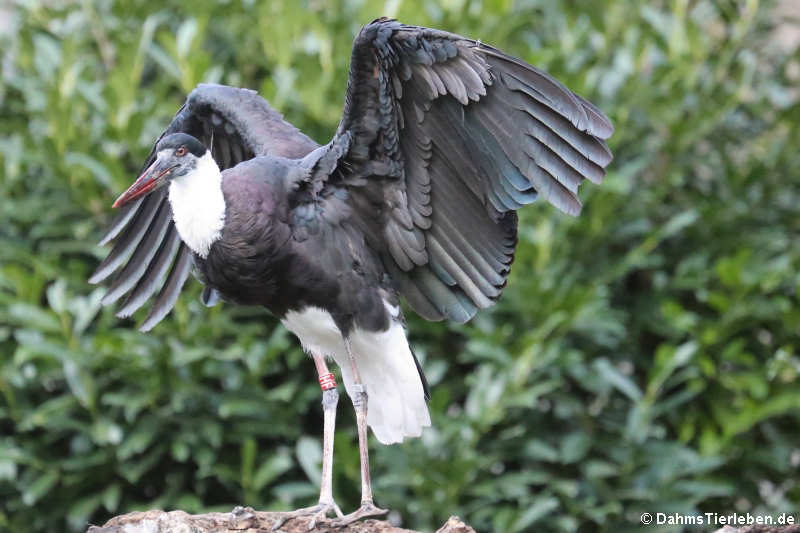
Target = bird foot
(367,509)
(318,513)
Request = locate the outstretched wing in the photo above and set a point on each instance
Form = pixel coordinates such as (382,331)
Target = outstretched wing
(441,140)
(238,124)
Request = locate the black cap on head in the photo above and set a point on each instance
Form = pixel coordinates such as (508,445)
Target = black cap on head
(176,140)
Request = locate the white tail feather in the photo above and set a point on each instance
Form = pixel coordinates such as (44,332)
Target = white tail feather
(396,400)
(396,405)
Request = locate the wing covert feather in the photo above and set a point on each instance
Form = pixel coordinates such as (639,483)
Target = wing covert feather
(237,124)
(446,138)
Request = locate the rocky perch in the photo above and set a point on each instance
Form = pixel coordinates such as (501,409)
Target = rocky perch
(245,520)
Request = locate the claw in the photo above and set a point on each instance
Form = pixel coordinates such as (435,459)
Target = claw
(367,509)
(318,513)
(321,516)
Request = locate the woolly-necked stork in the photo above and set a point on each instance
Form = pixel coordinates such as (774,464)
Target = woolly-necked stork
(441,140)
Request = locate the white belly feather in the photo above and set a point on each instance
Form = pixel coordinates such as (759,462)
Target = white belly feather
(396,400)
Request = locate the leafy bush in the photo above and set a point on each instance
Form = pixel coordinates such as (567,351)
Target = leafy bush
(644,356)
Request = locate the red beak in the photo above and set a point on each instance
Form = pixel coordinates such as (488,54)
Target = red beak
(150,179)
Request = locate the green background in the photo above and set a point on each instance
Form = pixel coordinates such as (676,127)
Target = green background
(644,356)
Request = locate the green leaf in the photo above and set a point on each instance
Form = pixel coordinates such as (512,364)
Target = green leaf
(40,487)
(574,447)
(541,508)
(309,456)
(275,465)
(617,379)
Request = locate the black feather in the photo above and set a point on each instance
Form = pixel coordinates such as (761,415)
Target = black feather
(464,135)
(241,125)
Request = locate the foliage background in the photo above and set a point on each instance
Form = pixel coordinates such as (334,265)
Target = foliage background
(644,357)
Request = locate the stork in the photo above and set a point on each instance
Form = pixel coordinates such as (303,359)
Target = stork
(442,138)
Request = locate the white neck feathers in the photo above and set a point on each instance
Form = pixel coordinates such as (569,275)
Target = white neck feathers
(198,206)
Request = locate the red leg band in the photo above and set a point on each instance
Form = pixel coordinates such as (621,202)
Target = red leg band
(327,382)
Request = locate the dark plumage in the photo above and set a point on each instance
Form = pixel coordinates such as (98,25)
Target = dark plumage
(287,258)
(442,138)
(181,140)
(257,129)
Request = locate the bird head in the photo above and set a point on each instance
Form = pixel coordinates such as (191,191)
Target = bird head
(177,155)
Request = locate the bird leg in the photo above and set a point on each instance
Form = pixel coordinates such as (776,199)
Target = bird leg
(326,505)
(359,397)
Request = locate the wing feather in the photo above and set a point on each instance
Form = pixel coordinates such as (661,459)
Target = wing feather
(124,245)
(237,124)
(447,138)
(154,275)
(171,290)
(120,221)
(139,261)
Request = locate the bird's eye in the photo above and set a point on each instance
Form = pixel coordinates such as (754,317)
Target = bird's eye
(180,152)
